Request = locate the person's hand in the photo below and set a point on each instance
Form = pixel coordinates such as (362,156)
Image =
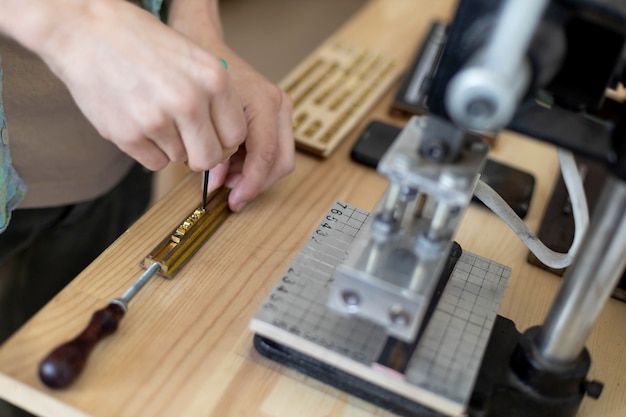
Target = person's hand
(158,96)
(268,152)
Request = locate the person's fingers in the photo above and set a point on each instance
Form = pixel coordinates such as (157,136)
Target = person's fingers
(285,161)
(227,113)
(146,152)
(196,129)
(236,162)
(165,135)
(259,170)
(261,151)
(270,152)
(217,175)
(213,131)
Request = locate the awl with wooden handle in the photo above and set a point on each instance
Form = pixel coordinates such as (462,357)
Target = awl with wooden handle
(63,364)
(66,362)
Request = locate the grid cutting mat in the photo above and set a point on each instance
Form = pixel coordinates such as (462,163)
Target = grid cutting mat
(332,90)
(441,372)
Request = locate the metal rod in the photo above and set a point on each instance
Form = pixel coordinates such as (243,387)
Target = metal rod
(589,281)
(138,285)
(205,188)
(515,28)
(388,210)
(485,93)
(372,258)
(440,221)
(428,59)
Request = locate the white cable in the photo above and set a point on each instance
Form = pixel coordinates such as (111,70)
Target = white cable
(574,185)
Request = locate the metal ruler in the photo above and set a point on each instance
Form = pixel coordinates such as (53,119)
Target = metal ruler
(444,366)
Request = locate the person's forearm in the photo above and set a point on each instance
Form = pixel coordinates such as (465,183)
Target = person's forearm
(40,25)
(31,23)
(191,16)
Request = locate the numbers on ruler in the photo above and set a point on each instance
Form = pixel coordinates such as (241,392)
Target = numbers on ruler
(282,324)
(319,233)
(283,289)
(288,280)
(269,306)
(327,225)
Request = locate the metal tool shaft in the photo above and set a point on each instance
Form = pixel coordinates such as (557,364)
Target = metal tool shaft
(205,188)
(138,285)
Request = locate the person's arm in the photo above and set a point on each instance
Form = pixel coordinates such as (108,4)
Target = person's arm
(268,154)
(158,96)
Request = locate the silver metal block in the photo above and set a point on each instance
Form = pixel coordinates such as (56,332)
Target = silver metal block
(396,259)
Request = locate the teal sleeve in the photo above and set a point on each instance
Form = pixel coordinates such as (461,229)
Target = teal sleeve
(12,188)
(154,6)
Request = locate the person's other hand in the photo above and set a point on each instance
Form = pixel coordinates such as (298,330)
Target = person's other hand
(268,152)
(157,95)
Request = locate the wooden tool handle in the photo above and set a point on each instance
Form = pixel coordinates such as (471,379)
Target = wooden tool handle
(61,367)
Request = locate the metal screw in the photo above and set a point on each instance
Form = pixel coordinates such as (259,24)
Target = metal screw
(594,388)
(351,299)
(384,224)
(482,107)
(399,316)
(435,150)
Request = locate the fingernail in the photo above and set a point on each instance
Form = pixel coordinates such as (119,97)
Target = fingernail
(240,206)
(227,153)
(233,181)
(211,179)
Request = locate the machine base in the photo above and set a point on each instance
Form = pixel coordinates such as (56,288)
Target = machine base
(509,383)
(340,379)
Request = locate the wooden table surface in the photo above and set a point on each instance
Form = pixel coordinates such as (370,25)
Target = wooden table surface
(184,348)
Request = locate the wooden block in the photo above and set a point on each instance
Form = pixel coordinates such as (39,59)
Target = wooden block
(332,91)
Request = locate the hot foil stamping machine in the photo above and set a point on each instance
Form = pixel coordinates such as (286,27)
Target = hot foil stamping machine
(387,306)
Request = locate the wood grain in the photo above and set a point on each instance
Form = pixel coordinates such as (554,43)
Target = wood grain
(184,348)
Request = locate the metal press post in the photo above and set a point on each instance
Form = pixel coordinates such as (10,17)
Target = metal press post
(589,281)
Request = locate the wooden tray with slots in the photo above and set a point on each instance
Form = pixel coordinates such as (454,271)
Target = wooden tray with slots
(332,90)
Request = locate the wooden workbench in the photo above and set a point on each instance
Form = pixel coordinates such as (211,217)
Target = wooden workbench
(184,348)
